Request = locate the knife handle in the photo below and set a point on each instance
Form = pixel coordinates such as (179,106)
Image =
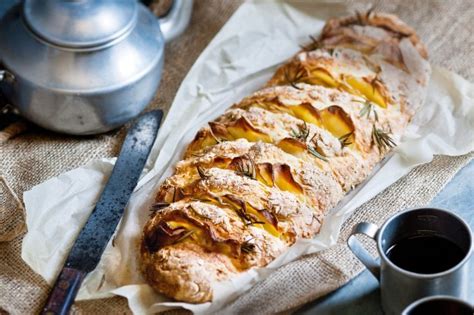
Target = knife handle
(64,292)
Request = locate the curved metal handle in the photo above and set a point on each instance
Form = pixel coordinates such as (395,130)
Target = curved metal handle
(176,19)
(359,251)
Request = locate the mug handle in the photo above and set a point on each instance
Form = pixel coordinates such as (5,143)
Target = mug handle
(359,251)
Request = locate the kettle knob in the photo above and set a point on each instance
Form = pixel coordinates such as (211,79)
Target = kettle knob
(80,23)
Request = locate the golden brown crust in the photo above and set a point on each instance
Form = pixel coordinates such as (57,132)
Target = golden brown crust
(265,173)
(185,265)
(386,29)
(185,271)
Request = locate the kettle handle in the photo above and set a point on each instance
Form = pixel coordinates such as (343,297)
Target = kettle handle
(176,19)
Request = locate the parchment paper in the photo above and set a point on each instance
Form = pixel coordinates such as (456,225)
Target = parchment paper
(245,53)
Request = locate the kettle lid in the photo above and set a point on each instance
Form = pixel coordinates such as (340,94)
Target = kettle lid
(80,23)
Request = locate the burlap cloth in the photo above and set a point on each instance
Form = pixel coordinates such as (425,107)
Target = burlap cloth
(36,155)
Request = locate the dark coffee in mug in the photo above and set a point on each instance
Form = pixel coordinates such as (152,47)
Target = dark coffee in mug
(426,254)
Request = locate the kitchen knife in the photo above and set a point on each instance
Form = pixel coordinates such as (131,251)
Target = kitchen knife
(92,240)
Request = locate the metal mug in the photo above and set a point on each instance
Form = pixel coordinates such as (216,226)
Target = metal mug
(400,287)
(439,305)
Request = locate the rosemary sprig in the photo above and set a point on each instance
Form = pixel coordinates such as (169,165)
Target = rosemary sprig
(215,138)
(157,207)
(382,139)
(302,133)
(295,79)
(345,140)
(246,167)
(367,16)
(247,218)
(177,194)
(360,17)
(314,152)
(363,17)
(202,173)
(374,81)
(370,11)
(198,154)
(315,44)
(184,236)
(191,207)
(367,109)
(247,247)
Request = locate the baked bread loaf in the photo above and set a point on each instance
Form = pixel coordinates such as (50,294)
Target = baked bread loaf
(267,171)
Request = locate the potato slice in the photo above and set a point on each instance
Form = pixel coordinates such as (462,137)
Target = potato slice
(267,226)
(199,236)
(369,89)
(219,130)
(284,179)
(176,224)
(307,113)
(271,105)
(335,120)
(265,174)
(269,223)
(242,128)
(292,146)
(203,139)
(278,175)
(321,76)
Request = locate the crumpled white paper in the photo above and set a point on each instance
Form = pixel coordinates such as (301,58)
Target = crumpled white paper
(244,54)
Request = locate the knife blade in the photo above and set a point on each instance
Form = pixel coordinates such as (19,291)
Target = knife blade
(101,224)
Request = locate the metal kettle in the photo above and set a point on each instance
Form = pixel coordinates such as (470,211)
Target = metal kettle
(80,66)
